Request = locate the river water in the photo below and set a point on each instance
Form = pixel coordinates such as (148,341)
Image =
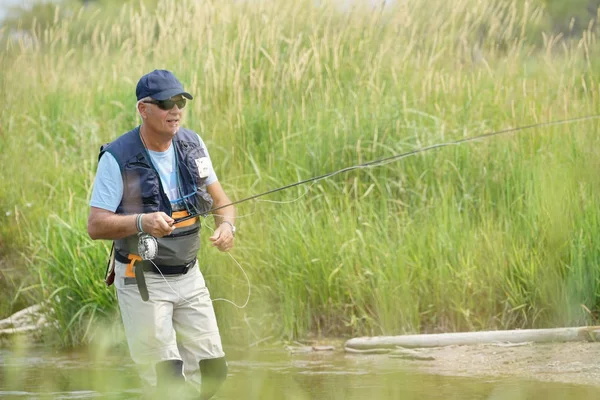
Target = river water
(266,374)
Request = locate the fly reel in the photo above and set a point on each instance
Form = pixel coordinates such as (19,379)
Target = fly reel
(147,246)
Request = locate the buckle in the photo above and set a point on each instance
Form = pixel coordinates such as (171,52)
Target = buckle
(187,267)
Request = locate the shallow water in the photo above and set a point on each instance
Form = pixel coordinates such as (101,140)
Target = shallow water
(266,374)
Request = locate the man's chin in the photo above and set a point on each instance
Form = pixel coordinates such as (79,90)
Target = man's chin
(172,131)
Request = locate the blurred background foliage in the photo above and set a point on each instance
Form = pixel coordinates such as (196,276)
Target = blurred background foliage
(567,17)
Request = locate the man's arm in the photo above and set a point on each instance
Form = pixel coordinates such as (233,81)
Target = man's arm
(223,235)
(104,224)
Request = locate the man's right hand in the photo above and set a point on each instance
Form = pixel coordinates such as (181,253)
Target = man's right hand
(158,224)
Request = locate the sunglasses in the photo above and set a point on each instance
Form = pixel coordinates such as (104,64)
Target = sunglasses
(167,104)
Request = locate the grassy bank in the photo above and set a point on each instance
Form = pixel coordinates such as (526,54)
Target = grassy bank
(501,233)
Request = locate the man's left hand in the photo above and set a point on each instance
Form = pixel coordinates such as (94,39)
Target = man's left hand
(223,237)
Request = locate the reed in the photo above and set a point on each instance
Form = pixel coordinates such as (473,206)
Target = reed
(495,234)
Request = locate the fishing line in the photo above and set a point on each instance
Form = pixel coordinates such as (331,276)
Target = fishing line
(187,301)
(245,275)
(233,258)
(396,157)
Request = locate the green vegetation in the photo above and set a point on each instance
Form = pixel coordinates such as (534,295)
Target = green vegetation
(502,233)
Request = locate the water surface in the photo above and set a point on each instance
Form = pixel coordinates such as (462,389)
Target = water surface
(266,374)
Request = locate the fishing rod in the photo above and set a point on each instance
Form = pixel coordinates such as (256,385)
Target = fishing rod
(396,157)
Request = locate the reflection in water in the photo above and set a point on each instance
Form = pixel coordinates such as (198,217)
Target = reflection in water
(268,374)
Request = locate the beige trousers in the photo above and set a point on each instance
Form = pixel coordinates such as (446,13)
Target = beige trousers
(177,322)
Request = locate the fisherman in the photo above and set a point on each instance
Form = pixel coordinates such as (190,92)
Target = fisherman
(147,180)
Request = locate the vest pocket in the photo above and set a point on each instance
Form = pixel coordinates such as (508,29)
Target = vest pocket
(141,187)
(203,201)
(206,199)
(194,154)
(178,250)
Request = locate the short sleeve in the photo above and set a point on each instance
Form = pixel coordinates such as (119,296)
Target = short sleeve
(108,185)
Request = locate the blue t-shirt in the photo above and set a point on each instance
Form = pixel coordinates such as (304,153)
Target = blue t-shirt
(108,185)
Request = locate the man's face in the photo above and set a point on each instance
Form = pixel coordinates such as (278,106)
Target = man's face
(164,122)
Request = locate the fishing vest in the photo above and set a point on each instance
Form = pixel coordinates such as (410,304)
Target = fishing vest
(143,193)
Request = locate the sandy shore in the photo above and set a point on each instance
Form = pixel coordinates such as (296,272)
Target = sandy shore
(576,363)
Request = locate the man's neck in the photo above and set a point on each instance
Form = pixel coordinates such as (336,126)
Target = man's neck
(154,141)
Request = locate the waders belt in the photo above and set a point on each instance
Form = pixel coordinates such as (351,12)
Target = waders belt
(159,269)
(135,261)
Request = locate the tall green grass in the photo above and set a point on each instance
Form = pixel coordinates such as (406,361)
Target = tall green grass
(495,234)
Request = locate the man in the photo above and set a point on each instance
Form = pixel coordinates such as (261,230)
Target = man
(147,179)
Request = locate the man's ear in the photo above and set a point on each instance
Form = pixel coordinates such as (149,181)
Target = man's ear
(143,110)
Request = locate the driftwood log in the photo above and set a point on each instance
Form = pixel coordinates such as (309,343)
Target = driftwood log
(27,321)
(589,333)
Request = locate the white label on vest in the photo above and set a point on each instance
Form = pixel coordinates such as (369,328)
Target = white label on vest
(203,164)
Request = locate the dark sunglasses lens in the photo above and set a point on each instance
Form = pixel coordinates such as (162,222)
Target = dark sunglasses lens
(168,104)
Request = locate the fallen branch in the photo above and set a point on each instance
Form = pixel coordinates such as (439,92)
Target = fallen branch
(30,319)
(472,338)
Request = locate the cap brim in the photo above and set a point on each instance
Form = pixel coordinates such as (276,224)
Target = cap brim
(167,94)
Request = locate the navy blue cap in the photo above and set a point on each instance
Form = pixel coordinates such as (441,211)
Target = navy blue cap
(160,84)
